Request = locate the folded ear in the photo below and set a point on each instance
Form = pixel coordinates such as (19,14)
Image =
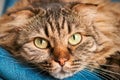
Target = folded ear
(87,12)
(11,24)
(86,1)
(104,19)
(100,11)
(20,4)
(23,4)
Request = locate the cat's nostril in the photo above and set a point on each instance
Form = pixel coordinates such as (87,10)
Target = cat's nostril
(62,61)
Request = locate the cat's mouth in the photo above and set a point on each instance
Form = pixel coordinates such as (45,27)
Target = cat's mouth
(62,72)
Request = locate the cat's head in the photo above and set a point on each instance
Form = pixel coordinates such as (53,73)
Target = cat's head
(60,38)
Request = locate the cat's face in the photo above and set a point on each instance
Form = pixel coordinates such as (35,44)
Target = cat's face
(61,41)
(58,42)
(59,47)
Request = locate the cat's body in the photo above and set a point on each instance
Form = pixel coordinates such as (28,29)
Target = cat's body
(64,37)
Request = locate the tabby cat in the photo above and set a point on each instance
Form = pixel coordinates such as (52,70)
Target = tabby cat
(63,37)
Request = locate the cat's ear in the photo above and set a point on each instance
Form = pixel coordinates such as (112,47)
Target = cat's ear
(86,1)
(86,5)
(7,33)
(88,8)
(11,24)
(13,21)
(20,4)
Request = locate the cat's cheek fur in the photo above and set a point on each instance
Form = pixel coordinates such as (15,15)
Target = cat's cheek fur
(34,54)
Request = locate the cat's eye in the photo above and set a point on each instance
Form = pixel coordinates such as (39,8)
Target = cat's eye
(75,39)
(41,43)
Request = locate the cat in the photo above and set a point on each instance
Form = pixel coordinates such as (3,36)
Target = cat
(63,37)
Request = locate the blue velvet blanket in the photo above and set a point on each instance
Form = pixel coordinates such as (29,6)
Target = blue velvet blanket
(11,69)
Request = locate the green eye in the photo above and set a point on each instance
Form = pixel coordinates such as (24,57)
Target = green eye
(75,39)
(41,43)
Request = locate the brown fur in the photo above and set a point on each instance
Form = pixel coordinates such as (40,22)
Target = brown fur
(98,21)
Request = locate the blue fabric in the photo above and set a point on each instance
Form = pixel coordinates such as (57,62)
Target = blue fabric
(11,69)
(7,4)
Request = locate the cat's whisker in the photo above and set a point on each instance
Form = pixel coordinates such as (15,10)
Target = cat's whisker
(107,74)
(6,57)
(32,65)
(75,77)
(104,76)
(104,72)
(109,65)
(43,72)
(89,69)
(97,75)
(17,62)
(94,75)
(30,68)
(108,71)
(82,75)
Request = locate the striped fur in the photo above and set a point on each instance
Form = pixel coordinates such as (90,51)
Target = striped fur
(55,21)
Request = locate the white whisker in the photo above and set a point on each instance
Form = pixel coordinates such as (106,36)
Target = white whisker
(108,71)
(94,75)
(83,76)
(6,57)
(109,65)
(105,77)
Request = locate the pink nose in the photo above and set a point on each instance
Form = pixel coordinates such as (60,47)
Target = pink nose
(62,61)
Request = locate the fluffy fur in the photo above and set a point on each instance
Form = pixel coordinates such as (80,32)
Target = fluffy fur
(97,21)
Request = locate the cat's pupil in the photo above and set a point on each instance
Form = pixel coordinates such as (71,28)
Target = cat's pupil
(74,37)
(41,41)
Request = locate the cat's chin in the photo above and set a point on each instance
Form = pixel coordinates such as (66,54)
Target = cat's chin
(61,72)
(62,75)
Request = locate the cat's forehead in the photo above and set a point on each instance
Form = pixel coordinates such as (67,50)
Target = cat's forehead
(53,22)
(54,9)
(56,21)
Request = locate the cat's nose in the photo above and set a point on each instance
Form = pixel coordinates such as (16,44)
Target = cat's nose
(62,61)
